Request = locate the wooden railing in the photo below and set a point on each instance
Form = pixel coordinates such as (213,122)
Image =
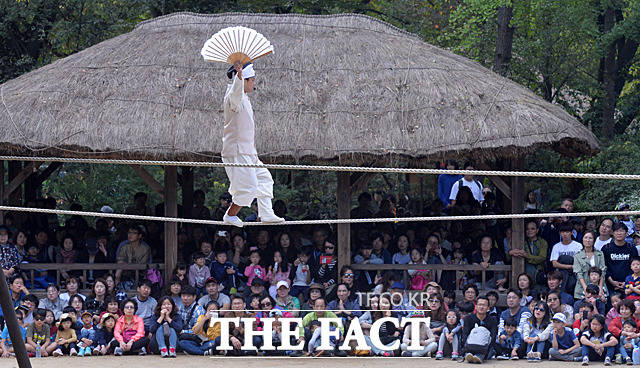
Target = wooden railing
(32,268)
(434,267)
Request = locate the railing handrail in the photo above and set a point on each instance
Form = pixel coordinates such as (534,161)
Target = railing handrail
(434,267)
(88,266)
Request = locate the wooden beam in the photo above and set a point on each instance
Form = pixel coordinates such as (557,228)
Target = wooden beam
(2,190)
(187,191)
(170,228)
(20,178)
(46,173)
(517,225)
(344,209)
(359,181)
(149,179)
(497,181)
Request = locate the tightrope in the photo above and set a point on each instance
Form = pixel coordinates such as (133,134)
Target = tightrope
(322,221)
(392,170)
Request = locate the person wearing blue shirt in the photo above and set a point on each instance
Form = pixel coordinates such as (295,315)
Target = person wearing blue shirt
(564,343)
(190,311)
(6,347)
(508,340)
(445,182)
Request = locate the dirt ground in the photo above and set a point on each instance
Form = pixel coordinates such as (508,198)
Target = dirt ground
(266,362)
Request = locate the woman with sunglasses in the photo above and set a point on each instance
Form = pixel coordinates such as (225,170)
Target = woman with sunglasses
(555,306)
(536,332)
(129,331)
(436,310)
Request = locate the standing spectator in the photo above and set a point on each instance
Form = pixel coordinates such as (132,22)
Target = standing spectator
(562,255)
(139,206)
(132,251)
(445,183)
(9,256)
(632,282)
(254,269)
(583,261)
(534,252)
(468,181)
(604,236)
(279,270)
(200,211)
(617,257)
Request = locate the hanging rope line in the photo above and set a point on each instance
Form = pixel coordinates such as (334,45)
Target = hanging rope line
(321,221)
(394,170)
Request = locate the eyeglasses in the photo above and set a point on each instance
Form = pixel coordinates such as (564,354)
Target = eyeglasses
(265,304)
(552,299)
(434,301)
(539,309)
(129,307)
(329,247)
(348,275)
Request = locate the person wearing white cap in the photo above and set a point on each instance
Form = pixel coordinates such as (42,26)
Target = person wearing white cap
(285,301)
(238,146)
(564,343)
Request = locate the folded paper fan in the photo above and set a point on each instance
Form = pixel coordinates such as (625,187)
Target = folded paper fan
(236,44)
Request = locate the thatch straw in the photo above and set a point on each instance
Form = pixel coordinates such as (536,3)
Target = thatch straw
(342,86)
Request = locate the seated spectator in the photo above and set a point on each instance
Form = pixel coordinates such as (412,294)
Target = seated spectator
(87,338)
(449,341)
(279,270)
(285,300)
(555,283)
(173,290)
(105,332)
(627,341)
(494,310)
(139,206)
(38,334)
(145,303)
(326,267)
(525,286)
(310,331)
(536,332)
(509,340)
(487,256)
(400,301)
(213,294)
(225,272)
(236,331)
(189,313)
(254,269)
(627,309)
(470,293)
(556,306)
(364,279)
(514,309)
(448,279)
(67,254)
(427,339)
(377,243)
(476,345)
(436,310)
(616,300)
(10,258)
(564,343)
(315,291)
(402,256)
(591,297)
(203,329)
(345,306)
(632,282)
(199,272)
(165,325)
(597,343)
(66,336)
(30,302)
(129,332)
(132,251)
(582,265)
(96,300)
(583,315)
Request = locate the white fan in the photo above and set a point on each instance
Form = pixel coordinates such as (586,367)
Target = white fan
(236,44)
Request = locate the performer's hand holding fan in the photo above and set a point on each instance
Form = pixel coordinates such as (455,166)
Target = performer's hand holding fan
(236,45)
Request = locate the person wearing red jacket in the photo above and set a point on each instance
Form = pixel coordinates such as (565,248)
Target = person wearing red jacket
(129,331)
(627,309)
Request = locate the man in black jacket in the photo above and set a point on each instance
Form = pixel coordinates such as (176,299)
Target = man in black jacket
(479,333)
(617,256)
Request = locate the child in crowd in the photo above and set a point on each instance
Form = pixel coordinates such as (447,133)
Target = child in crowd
(6,348)
(508,340)
(180,272)
(50,320)
(564,343)
(87,340)
(427,339)
(450,335)
(302,279)
(419,278)
(595,277)
(628,339)
(208,333)
(493,297)
(450,299)
(66,336)
(105,333)
(632,282)
(278,271)
(597,343)
(225,272)
(38,333)
(614,312)
(198,272)
(254,269)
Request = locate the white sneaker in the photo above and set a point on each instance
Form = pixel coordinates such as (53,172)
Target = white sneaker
(265,211)
(232,220)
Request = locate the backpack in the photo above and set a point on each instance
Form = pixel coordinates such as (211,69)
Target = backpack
(480,336)
(155,277)
(460,184)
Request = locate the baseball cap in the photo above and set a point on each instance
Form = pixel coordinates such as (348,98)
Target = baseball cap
(210,280)
(593,289)
(282,283)
(560,317)
(106,209)
(622,206)
(397,285)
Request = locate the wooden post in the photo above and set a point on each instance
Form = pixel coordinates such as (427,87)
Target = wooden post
(15,196)
(170,228)
(187,191)
(2,190)
(344,209)
(517,225)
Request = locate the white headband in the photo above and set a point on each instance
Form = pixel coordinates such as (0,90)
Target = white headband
(248,72)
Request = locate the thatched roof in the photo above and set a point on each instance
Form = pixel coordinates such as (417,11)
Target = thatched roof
(345,86)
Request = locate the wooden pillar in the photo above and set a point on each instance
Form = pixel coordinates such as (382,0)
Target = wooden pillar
(2,190)
(15,198)
(187,191)
(170,228)
(517,225)
(344,209)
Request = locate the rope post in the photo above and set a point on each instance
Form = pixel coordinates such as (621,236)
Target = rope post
(344,208)
(517,224)
(170,227)
(12,325)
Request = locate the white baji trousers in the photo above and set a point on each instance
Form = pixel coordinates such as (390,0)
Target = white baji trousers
(248,183)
